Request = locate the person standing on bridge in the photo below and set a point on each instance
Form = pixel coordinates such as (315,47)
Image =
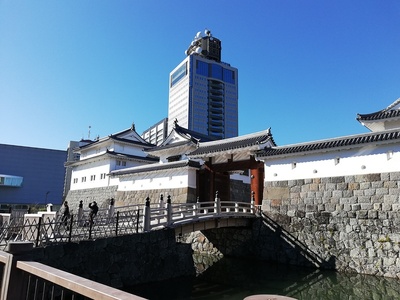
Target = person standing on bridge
(93,211)
(66,214)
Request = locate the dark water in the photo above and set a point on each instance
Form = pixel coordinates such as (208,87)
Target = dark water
(235,279)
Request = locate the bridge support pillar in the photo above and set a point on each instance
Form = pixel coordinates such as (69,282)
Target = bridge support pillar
(169,211)
(146,216)
(13,286)
(217,204)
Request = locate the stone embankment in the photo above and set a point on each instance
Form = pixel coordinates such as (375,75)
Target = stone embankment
(122,261)
(352,222)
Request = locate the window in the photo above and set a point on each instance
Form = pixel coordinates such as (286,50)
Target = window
(75,180)
(216,71)
(178,74)
(103,176)
(84,179)
(201,68)
(92,177)
(121,163)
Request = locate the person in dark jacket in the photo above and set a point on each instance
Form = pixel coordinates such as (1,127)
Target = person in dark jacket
(93,211)
(66,214)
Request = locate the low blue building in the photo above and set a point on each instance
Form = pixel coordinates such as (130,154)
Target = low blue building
(31,176)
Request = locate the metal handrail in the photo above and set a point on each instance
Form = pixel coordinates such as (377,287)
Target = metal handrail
(117,221)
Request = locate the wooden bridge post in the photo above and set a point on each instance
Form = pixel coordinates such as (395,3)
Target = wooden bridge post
(169,211)
(146,215)
(196,207)
(217,204)
(80,213)
(252,206)
(161,203)
(111,210)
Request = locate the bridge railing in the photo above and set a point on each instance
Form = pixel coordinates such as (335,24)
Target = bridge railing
(168,214)
(32,280)
(114,221)
(43,230)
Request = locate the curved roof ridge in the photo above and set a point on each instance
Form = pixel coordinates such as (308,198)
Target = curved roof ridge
(266,132)
(344,141)
(387,112)
(396,102)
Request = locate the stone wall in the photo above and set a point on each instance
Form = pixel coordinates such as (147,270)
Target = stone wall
(350,222)
(122,261)
(103,195)
(179,195)
(100,195)
(240,191)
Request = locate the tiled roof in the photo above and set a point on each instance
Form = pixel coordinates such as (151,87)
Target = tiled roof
(123,155)
(146,144)
(173,145)
(240,142)
(388,112)
(114,154)
(157,167)
(193,134)
(191,137)
(346,141)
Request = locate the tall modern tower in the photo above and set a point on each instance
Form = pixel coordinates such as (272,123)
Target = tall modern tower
(203,91)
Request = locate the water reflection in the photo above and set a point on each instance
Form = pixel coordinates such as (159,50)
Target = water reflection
(231,278)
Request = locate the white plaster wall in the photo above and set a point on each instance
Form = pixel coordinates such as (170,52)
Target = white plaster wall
(128,149)
(113,146)
(180,178)
(366,160)
(96,168)
(85,154)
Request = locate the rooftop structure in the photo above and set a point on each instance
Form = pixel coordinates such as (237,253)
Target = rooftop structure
(203,91)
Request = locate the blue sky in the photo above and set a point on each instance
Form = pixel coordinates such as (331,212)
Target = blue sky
(306,68)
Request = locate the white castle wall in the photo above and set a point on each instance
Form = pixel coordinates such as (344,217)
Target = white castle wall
(366,160)
(169,179)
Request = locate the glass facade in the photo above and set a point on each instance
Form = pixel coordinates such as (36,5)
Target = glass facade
(178,74)
(207,100)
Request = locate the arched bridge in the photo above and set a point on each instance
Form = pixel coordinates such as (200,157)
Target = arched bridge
(47,228)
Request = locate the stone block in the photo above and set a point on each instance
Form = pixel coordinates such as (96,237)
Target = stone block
(365,185)
(372,214)
(337,193)
(366,206)
(330,187)
(382,191)
(353,186)
(390,184)
(390,199)
(277,193)
(396,207)
(338,179)
(349,179)
(395,176)
(369,193)
(377,206)
(362,214)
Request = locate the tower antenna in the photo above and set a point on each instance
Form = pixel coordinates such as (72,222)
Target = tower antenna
(89,132)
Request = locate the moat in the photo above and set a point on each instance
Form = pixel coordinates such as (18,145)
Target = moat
(235,279)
